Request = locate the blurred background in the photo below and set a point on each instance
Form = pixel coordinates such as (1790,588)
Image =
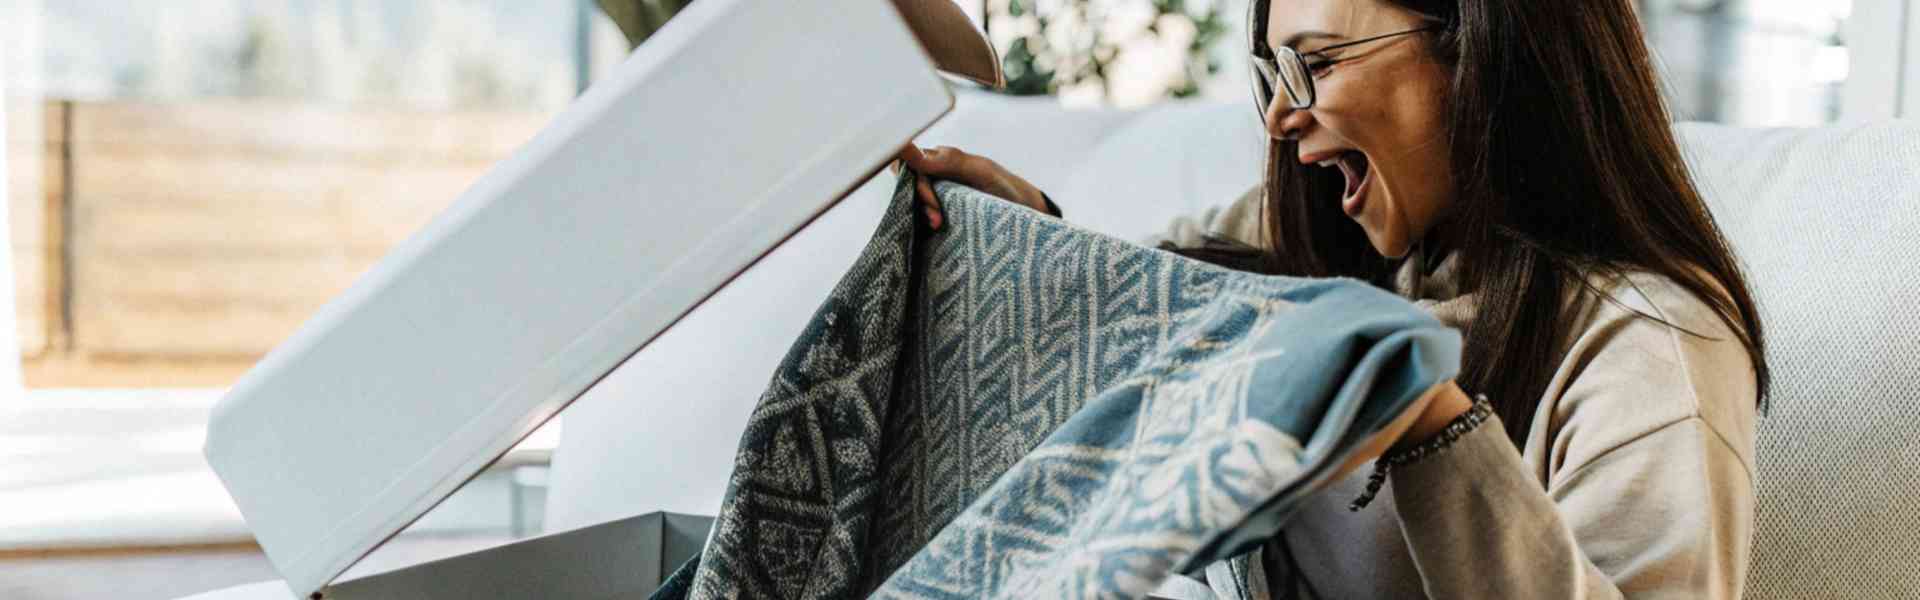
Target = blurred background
(187,181)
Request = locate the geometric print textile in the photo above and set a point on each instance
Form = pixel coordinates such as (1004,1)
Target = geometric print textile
(1012,407)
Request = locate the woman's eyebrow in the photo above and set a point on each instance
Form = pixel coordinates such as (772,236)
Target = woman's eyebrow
(1293,40)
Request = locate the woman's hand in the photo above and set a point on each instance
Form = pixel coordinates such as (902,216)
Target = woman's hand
(1421,421)
(977,172)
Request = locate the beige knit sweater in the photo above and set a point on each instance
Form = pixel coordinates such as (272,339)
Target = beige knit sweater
(1635,481)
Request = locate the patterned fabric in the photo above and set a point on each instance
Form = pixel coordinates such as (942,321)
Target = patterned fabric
(1011,407)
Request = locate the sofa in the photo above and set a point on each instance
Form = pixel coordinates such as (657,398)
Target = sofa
(1826,220)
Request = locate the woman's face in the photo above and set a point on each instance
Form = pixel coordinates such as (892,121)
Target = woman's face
(1379,117)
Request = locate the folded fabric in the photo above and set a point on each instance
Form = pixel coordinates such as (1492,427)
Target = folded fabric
(1011,407)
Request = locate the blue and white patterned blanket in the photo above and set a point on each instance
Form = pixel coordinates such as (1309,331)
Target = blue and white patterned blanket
(1015,408)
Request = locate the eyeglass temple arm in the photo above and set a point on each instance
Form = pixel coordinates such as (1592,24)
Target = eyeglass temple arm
(1363,41)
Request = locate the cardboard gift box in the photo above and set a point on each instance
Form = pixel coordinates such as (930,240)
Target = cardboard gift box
(624,558)
(726,132)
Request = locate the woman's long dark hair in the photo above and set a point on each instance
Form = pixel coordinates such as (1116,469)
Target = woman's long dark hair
(1565,165)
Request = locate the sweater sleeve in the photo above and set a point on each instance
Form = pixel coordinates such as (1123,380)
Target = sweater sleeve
(1239,220)
(1650,496)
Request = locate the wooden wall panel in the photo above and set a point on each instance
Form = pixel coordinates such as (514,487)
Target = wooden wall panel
(215,230)
(303,131)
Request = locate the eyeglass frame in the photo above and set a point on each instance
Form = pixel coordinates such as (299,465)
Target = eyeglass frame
(1266,70)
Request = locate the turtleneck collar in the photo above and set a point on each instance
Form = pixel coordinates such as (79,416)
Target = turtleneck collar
(1430,278)
(1429,273)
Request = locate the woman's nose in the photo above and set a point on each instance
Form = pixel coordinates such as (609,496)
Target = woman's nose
(1283,122)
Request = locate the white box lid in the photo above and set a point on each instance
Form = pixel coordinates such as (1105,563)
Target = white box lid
(731,128)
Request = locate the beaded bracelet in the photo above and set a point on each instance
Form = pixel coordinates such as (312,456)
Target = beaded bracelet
(1459,426)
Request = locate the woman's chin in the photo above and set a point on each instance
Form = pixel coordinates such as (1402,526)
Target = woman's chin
(1395,252)
(1387,239)
(1387,244)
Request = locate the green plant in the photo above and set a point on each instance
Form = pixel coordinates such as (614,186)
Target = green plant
(1122,51)
(1051,46)
(638,19)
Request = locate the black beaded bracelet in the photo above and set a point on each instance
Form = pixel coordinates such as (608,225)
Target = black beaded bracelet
(1459,426)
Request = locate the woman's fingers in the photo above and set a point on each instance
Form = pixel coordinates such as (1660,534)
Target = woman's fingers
(911,156)
(928,202)
(981,173)
(929,164)
(925,162)
(941,162)
(947,163)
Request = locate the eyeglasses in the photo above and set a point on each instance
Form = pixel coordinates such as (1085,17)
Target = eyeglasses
(1294,72)
(1290,70)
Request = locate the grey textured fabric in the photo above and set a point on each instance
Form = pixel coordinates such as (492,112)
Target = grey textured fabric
(1827,221)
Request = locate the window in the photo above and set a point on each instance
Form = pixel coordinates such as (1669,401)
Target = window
(1751,62)
(187,182)
(214,170)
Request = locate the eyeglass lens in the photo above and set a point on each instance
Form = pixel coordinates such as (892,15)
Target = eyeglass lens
(1294,77)
(1289,75)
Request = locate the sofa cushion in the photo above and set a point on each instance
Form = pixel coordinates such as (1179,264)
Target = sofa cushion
(1827,224)
(1174,160)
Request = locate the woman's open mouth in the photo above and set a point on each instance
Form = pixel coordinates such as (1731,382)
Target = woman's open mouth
(1354,165)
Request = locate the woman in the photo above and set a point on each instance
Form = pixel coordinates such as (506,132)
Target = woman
(1508,166)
